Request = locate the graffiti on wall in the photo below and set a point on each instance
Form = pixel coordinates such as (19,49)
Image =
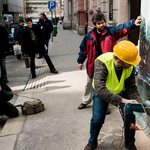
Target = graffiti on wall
(144,66)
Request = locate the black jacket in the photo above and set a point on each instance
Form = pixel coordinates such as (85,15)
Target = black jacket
(27,42)
(3,42)
(4,95)
(46,28)
(18,33)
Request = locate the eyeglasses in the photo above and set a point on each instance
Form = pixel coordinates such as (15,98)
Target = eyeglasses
(126,65)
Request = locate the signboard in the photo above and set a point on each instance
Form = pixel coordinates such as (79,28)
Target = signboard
(51,5)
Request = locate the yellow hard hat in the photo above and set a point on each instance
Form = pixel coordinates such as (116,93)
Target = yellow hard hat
(127,52)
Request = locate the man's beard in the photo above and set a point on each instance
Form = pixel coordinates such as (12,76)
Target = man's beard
(101,30)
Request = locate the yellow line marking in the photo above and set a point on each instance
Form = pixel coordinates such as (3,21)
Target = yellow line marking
(19,68)
(12,61)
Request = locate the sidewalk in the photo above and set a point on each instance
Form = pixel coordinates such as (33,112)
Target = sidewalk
(61,126)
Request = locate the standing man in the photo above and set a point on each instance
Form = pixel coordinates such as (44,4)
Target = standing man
(98,41)
(114,82)
(34,43)
(18,33)
(46,29)
(4,50)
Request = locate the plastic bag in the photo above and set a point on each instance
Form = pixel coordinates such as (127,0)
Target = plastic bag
(17,49)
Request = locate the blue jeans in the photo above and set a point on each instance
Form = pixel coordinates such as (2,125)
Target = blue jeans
(99,113)
(3,69)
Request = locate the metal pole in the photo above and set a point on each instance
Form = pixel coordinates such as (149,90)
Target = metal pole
(55,16)
(52,25)
(86,15)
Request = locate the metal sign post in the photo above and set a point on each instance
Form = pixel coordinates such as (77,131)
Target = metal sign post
(52,25)
(51,7)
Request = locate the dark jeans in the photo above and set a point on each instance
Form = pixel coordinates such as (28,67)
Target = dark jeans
(8,109)
(47,58)
(99,113)
(3,69)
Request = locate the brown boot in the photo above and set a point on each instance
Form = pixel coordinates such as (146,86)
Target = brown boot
(89,147)
(81,106)
(108,111)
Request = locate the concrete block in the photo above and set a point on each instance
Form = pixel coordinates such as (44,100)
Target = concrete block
(9,142)
(13,125)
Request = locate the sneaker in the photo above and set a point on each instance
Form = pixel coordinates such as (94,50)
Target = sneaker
(54,71)
(89,147)
(33,76)
(81,106)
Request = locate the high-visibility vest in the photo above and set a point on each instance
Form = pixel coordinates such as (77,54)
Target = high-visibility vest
(112,82)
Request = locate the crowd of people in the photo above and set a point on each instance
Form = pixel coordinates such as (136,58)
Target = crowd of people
(33,39)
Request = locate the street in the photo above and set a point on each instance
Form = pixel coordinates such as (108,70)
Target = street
(62,126)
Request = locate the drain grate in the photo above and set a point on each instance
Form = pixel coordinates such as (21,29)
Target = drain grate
(41,79)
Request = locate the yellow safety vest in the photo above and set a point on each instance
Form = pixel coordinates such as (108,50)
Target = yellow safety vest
(112,82)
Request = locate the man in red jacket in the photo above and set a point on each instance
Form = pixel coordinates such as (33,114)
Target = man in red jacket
(99,40)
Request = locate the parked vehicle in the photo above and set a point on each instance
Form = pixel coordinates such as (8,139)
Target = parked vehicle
(35,21)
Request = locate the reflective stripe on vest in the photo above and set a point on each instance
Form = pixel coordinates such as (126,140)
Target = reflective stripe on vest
(112,82)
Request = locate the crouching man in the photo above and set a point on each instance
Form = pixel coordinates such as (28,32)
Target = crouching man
(114,82)
(6,108)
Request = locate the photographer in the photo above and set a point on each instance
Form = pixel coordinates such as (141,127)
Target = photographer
(6,108)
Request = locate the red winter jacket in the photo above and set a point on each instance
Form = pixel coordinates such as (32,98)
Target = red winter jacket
(108,39)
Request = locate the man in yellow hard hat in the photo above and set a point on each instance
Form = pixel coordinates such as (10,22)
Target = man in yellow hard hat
(114,82)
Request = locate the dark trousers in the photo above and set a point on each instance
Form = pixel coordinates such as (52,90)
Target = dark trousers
(40,54)
(8,109)
(46,57)
(3,69)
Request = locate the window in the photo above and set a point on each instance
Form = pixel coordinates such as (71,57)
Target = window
(98,4)
(74,6)
(91,4)
(84,4)
(4,2)
(91,7)
(77,4)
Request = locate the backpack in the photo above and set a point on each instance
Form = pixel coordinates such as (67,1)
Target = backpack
(32,107)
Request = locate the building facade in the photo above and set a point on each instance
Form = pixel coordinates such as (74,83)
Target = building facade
(12,8)
(33,8)
(78,13)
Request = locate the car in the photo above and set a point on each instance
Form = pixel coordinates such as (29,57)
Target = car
(35,21)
